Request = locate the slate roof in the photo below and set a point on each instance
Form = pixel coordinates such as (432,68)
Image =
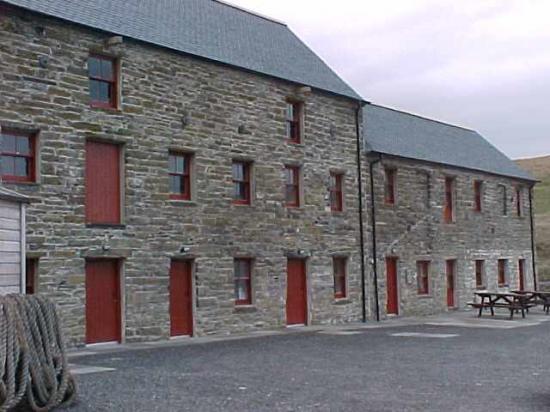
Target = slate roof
(397,133)
(207,28)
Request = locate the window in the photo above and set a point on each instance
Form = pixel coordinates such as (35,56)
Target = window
(241,183)
(478,195)
(102,72)
(179,171)
(502,272)
(336,192)
(294,122)
(519,202)
(480,274)
(103,183)
(390,186)
(339,270)
(521,274)
(423,275)
(449,200)
(292,174)
(504,200)
(243,281)
(18,156)
(31,271)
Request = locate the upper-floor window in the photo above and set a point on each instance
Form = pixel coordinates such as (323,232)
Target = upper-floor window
(241,182)
(504,200)
(294,113)
(339,269)
(502,272)
(102,71)
(18,156)
(336,192)
(292,192)
(448,213)
(390,188)
(519,201)
(478,195)
(180,175)
(480,274)
(423,277)
(243,281)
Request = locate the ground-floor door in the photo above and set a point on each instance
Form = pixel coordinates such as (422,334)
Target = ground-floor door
(181,298)
(103,301)
(392,295)
(521,274)
(296,292)
(450,269)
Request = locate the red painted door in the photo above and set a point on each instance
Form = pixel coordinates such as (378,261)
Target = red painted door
(296,292)
(450,283)
(102,183)
(181,298)
(102,301)
(521,274)
(392,298)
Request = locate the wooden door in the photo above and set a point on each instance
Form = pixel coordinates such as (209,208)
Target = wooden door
(102,301)
(450,283)
(102,183)
(296,292)
(392,295)
(521,269)
(181,298)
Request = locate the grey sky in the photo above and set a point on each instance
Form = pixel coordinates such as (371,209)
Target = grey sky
(482,64)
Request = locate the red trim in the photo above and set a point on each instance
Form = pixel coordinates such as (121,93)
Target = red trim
(295,170)
(31,158)
(336,192)
(185,175)
(114,83)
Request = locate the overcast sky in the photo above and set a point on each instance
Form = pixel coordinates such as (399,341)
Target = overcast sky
(482,64)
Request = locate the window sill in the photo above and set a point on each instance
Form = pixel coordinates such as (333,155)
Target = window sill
(20,182)
(342,301)
(245,309)
(104,226)
(107,109)
(295,143)
(240,204)
(182,202)
(504,285)
(424,296)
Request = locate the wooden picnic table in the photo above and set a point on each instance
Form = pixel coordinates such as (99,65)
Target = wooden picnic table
(536,297)
(508,300)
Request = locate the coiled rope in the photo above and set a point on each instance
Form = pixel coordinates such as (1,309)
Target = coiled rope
(34,372)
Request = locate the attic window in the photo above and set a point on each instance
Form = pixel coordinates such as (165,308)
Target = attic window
(103,75)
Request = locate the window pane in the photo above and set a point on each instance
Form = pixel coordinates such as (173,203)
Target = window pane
(176,184)
(290,175)
(21,168)
(290,112)
(172,163)
(23,145)
(8,143)
(291,194)
(94,67)
(107,69)
(238,171)
(339,287)
(104,92)
(8,165)
(180,164)
(241,290)
(239,191)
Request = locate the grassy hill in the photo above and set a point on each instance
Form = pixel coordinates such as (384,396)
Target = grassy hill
(540,168)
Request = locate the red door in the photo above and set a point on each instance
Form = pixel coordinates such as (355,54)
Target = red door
(296,292)
(451,283)
(392,302)
(102,301)
(181,298)
(521,274)
(102,183)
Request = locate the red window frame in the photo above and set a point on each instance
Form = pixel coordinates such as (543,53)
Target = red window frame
(519,202)
(449,200)
(292,175)
(184,175)
(423,273)
(339,267)
(112,82)
(502,264)
(243,182)
(478,190)
(336,192)
(480,269)
(243,277)
(390,175)
(294,112)
(29,158)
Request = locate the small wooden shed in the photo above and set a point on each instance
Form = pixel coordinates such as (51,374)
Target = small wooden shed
(12,241)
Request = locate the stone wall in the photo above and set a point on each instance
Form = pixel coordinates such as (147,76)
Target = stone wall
(413,230)
(174,101)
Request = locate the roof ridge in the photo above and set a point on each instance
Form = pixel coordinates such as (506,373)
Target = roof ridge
(252,12)
(424,117)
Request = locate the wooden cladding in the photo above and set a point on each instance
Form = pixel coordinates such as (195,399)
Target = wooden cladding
(103,188)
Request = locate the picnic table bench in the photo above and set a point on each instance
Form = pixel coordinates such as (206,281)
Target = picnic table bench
(514,302)
(536,297)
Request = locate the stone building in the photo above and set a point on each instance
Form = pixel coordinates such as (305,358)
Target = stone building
(452,215)
(191,166)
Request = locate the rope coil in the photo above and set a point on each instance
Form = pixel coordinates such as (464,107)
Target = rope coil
(33,367)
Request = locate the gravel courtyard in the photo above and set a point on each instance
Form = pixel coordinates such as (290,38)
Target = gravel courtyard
(403,368)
